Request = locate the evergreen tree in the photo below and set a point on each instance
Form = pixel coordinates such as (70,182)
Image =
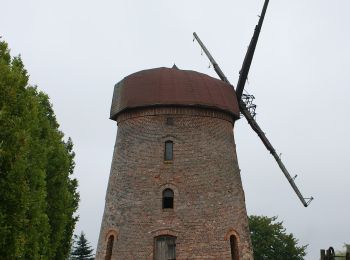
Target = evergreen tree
(81,250)
(270,240)
(38,197)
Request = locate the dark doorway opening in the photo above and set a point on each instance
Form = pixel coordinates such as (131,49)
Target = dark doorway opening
(165,248)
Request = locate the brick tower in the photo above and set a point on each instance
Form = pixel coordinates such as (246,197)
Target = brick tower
(175,189)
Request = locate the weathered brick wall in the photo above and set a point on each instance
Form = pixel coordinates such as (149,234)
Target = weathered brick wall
(209,203)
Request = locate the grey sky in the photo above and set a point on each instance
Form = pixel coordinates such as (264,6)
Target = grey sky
(77,50)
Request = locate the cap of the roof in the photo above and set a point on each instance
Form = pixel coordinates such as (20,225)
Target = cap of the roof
(171,86)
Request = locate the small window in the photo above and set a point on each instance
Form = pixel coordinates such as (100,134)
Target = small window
(109,248)
(234,247)
(168,151)
(165,248)
(170,121)
(168,199)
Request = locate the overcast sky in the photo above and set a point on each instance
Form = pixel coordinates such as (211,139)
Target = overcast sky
(76,51)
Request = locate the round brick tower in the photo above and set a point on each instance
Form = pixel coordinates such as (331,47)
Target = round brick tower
(175,189)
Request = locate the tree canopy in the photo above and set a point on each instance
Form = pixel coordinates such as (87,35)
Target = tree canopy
(81,249)
(270,240)
(38,196)
(342,253)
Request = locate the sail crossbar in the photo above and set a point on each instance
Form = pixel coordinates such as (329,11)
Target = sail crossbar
(255,126)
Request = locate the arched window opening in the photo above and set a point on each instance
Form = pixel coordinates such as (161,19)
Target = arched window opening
(168,154)
(109,248)
(234,247)
(165,248)
(168,199)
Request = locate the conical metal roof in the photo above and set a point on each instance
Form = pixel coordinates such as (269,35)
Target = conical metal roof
(173,87)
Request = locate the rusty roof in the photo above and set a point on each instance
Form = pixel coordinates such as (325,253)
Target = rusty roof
(171,86)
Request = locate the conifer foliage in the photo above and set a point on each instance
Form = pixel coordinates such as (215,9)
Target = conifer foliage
(81,250)
(38,196)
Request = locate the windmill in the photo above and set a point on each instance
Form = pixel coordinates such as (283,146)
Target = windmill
(247,108)
(175,188)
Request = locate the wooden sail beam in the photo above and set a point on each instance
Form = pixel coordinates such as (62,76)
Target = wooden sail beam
(255,126)
(243,74)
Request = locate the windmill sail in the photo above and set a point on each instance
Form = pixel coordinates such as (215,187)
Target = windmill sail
(243,106)
(243,74)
